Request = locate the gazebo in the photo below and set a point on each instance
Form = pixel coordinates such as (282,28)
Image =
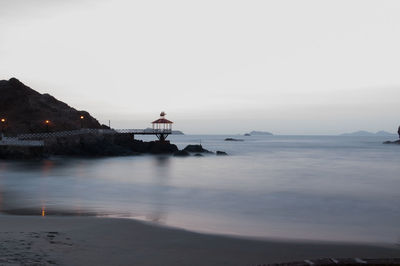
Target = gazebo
(162,126)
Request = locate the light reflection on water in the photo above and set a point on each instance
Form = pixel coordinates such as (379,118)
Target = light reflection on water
(328,188)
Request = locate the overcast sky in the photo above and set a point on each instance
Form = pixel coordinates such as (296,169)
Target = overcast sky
(289,67)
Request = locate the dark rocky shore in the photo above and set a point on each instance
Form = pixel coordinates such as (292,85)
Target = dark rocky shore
(89,145)
(92,145)
(196,150)
(106,145)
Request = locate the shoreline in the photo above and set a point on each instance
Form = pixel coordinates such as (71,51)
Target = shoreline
(120,241)
(192,227)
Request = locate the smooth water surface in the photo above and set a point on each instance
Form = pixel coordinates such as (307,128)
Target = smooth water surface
(305,187)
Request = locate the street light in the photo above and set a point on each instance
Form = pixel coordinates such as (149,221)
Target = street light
(3,124)
(82,117)
(47,123)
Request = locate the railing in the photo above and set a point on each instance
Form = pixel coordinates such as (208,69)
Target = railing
(144,131)
(93,131)
(57,134)
(17,142)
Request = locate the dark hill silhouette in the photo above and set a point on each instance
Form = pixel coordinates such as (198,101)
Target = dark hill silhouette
(26,110)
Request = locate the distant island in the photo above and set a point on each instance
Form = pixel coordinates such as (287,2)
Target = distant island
(362,133)
(259,133)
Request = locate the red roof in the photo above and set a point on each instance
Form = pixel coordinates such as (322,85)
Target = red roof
(162,121)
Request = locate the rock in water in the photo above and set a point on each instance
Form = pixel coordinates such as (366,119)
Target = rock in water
(392,142)
(162,147)
(221,153)
(232,139)
(196,148)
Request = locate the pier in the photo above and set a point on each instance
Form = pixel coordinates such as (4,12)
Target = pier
(156,132)
(161,128)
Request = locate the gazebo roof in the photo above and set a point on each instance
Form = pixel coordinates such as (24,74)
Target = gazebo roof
(162,121)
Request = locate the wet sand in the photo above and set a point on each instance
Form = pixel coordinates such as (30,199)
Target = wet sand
(35,240)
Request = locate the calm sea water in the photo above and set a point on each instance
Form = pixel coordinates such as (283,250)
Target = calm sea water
(304,187)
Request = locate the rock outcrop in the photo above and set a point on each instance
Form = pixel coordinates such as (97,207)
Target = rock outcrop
(106,145)
(197,148)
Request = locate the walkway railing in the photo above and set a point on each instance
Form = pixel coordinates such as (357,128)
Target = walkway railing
(93,131)
(143,131)
(18,142)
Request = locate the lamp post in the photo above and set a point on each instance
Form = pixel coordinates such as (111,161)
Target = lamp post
(47,123)
(3,125)
(82,117)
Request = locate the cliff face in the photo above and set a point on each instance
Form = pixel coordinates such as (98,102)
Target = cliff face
(26,111)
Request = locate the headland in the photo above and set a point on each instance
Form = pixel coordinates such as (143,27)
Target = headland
(35,126)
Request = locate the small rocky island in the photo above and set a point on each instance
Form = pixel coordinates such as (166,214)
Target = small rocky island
(396,141)
(233,139)
(26,116)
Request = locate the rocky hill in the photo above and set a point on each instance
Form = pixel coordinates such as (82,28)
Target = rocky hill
(26,111)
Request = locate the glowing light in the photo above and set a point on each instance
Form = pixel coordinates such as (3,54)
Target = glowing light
(47,121)
(82,117)
(3,120)
(43,212)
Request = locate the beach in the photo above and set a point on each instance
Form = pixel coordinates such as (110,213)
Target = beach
(36,240)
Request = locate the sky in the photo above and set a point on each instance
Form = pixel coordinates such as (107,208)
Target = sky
(215,67)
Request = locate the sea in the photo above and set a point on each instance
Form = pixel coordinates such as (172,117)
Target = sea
(329,188)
